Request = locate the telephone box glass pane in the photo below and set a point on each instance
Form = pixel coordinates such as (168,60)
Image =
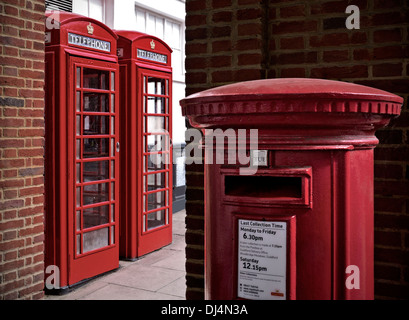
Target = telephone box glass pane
(95,239)
(78,101)
(95,216)
(95,79)
(156,124)
(156,162)
(112,169)
(96,170)
(96,147)
(78,218)
(156,181)
(78,165)
(78,124)
(156,200)
(95,193)
(112,212)
(112,103)
(78,148)
(112,81)
(156,86)
(156,105)
(156,143)
(156,219)
(78,196)
(96,102)
(78,77)
(78,244)
(112,147)
(94,125)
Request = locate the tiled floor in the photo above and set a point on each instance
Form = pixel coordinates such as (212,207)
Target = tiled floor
(159,275)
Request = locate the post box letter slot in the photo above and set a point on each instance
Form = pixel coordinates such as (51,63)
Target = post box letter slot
(264,187)
(280,186)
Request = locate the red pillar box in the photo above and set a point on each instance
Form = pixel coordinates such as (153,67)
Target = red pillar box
(296,221)
(146,130)
(82,148)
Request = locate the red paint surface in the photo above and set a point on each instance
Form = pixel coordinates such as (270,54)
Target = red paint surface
(321,131)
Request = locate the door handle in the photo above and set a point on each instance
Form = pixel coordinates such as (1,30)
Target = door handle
(117,146)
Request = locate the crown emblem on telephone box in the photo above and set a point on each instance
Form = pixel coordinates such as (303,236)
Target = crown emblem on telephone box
(90,28)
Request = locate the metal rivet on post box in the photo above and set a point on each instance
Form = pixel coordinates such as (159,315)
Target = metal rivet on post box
(296,221)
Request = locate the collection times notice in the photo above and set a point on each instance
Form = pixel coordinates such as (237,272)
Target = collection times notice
(262,259)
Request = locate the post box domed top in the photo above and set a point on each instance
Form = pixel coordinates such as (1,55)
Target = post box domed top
(267,99)
(302,89)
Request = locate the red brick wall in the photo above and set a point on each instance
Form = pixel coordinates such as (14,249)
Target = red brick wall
(235,40)
(223,45)
(21,149)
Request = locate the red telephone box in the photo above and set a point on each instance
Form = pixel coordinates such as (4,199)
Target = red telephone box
(82,147)
(146,131)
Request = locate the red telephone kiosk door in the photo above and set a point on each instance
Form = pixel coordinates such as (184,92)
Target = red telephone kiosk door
(82,148)
(94,226)
(156,213)
(146,130)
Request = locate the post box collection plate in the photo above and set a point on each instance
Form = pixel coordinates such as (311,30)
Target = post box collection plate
(262,259)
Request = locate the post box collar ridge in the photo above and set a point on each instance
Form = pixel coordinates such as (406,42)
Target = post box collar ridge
(292,95)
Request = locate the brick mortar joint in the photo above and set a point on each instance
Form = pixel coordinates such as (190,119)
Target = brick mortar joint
(195,261)
(194,275)
(195,246)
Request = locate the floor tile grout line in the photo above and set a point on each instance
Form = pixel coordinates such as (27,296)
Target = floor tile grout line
(183,276)
(130,287)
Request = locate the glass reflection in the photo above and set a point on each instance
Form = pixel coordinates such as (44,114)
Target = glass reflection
(95,239)
(156,105)
(95,193)
(156,219)
(156,181)
(96,102)
(94,125)
(96,170)
(95,79)
(156,124)
(95,147)
(95,216)
(157,161)
(156,86)
(156,200)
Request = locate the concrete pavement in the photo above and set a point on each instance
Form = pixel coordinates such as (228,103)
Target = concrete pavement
(159,275)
